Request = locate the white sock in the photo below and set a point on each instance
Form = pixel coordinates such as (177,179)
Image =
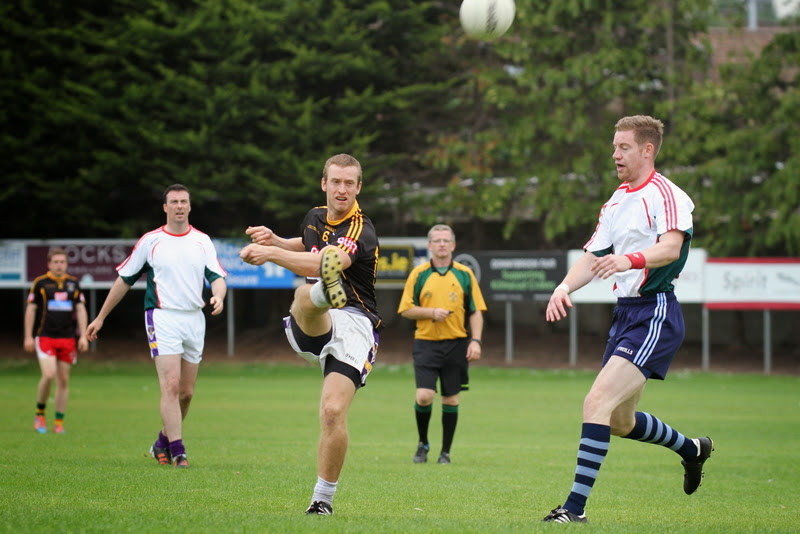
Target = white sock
(324,491)
(317,295)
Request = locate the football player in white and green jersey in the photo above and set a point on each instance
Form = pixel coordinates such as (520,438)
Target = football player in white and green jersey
(176,259)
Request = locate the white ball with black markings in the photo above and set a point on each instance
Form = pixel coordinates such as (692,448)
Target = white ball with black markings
(486,19)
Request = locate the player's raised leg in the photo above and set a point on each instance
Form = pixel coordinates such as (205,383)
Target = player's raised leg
(694,452)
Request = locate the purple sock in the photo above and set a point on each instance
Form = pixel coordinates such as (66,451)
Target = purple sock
(176,448)
(162,442)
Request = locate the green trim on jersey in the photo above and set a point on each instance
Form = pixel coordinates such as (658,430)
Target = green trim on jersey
(604,252)
(211,275)
(461,276)
(659,279)
(150,295)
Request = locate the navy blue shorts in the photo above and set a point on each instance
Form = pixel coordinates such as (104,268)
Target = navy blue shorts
(646,331)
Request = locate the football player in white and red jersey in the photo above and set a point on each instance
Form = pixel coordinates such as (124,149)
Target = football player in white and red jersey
(642,239)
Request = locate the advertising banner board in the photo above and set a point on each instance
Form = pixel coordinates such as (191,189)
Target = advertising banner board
(92,262)
(753,283)
(513,276)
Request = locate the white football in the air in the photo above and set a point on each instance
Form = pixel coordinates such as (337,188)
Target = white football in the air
(486,18)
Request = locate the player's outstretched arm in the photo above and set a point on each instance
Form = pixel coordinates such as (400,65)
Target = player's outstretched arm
(558,304)
(83,319)
(115,294)
(301,263)
(261,235)
(578,276)
(666,250)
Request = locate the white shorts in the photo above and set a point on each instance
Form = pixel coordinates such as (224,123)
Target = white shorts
(176,332)
(353,342)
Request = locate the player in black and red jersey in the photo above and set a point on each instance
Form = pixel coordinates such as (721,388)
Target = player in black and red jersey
(333,319)
(55,328)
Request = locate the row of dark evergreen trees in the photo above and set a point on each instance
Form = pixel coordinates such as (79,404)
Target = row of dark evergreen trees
(106,103)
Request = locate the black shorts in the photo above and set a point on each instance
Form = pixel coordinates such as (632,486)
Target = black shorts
(332,365)
(444,360)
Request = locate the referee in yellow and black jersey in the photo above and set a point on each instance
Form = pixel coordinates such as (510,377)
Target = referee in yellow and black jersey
(443,297)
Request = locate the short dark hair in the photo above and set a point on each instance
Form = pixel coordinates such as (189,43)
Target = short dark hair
(55,251)
(175,187)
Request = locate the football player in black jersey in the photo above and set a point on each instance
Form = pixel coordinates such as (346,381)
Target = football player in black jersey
(333,318)
(55,329)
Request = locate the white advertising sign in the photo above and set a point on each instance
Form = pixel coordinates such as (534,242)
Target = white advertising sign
(12,263)
(753,283)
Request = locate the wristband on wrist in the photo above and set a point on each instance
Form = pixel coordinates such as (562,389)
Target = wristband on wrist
(562,287)
(478,341)
(637,260)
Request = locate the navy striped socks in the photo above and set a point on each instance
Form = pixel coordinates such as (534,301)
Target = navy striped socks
(591,453)
(650,429)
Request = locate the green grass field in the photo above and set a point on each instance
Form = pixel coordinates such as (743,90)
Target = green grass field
(252,435)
